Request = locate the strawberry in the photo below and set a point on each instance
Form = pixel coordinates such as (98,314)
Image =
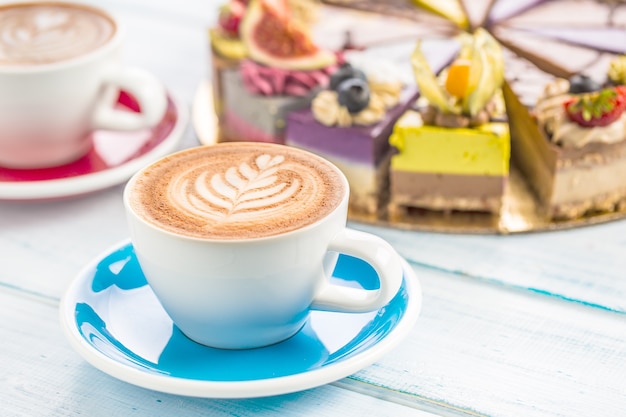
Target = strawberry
(230,16)
(598,108)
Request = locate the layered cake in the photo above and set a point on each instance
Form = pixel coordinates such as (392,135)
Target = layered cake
(453,154)
(572,146)
(574,166)
(547,47)
(277,70)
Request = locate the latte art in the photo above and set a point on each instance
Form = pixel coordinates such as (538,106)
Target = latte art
(242,193)
(232,191)
(41,33)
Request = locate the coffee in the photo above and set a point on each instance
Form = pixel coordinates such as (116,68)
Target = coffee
(237,191)
(43,33)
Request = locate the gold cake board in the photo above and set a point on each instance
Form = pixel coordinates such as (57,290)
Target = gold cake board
(520,211)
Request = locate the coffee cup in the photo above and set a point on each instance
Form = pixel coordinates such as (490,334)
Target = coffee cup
(238,241)
(60,78)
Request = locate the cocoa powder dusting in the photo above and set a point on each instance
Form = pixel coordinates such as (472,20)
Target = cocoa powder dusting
(315,189)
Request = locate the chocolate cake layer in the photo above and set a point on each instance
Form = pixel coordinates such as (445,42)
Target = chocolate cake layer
(446,191)
(416,185)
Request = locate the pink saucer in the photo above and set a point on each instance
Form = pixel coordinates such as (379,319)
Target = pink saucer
(114,157)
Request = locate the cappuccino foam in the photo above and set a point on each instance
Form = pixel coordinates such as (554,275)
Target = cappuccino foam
(237,191)
(43,33)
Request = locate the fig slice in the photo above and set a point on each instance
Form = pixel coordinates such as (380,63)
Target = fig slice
(275,39)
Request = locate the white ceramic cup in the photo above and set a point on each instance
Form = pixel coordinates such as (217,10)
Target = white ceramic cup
(47,110)
(248,293)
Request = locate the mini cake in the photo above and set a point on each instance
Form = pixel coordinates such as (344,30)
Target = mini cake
(575,143)
(350,123)
(574,170)
(281,69)
(453,154)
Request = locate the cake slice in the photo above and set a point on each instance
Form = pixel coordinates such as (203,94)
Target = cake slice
(453,155)
(574,170)
(446,169)
(279,68)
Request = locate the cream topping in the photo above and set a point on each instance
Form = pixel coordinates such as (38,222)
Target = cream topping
(383,95)
(552,118)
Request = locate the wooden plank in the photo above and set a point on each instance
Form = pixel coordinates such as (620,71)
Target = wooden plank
(43,376)
(488,350)
(581,265)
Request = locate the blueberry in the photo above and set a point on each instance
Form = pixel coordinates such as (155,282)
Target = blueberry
(354,94)
(580,83)
(343,73)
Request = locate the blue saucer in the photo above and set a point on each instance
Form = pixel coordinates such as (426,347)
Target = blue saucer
(113,319)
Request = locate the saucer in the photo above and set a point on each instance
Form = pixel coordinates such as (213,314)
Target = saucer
(113,319)
(203,116)
(114,157)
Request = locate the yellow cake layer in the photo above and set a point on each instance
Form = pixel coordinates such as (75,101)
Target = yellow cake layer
(484,150)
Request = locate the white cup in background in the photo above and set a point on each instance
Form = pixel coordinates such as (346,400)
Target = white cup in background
(60,76)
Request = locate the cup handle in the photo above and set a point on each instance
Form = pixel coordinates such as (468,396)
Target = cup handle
(144,87)
(381,256)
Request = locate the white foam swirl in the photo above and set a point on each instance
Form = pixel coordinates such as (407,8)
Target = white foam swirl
(269,188)
(33,34)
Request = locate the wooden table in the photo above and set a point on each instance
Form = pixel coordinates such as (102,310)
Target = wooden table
(524,325)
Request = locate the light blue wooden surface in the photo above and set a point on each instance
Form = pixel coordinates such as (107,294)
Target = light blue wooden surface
(524,325)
